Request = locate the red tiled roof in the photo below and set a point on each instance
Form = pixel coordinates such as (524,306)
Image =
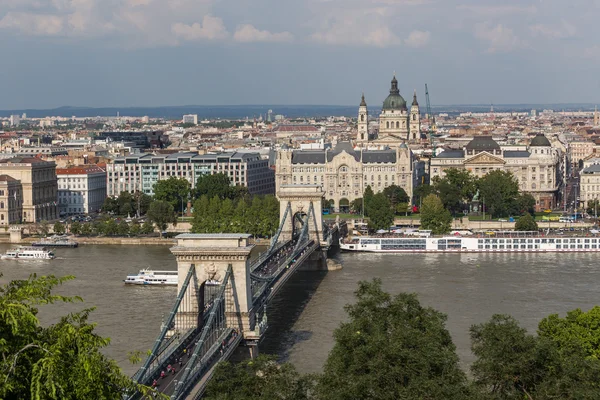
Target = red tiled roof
(296,128)
(22,160)
(79,170)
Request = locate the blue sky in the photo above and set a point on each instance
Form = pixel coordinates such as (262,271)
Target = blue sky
(178,52)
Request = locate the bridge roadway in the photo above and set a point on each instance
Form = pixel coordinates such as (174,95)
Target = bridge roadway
(272,270)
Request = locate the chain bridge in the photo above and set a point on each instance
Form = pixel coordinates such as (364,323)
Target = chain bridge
(223,294)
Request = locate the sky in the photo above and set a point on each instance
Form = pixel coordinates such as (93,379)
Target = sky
(104,53)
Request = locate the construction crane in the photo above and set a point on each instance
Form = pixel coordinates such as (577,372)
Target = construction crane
(431,120)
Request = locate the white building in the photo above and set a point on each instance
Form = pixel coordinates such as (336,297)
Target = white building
(190,119)
(15,120)
(140,172)
(81,190)
(589,182)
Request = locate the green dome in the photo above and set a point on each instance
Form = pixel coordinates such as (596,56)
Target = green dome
(540,140)
(394,101)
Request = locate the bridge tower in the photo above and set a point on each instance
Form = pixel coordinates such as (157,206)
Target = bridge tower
(297,199)
(211,255)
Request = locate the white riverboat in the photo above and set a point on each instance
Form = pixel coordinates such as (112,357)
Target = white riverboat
(454,244)
(28,253)
(150,277)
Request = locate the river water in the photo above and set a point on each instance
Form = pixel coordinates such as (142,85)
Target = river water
(469,288)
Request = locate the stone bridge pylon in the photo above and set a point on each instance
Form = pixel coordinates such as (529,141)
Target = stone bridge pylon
(295,202)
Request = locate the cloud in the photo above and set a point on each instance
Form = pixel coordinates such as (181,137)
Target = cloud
(212,28)
(346,35)
(500,38)
(248,33)
(498,10)
(417,39)
(592,53)
(33,24)
(563,30)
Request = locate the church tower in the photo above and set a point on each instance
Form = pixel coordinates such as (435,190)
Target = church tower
(415,120)
(596,117)
(363,122)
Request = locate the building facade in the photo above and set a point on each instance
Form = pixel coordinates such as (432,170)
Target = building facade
(537,168)
(140,172)
(11,200)
(39,186)
(396,123)
(81,190)
(589,184)
(344,173)
(580,150)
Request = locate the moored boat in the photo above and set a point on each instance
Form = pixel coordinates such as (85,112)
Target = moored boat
(56,241)
(150,277)
(28,253)
(453,244)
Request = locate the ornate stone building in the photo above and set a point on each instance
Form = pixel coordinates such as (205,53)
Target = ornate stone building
(396,123)
(344,173)
(536,167)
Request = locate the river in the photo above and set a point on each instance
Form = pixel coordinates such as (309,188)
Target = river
(469,288)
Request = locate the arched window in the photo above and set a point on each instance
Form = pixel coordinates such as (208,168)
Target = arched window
(533,186)
(387,124)
(414,117)
(362,117)
(397,124)
(1,204)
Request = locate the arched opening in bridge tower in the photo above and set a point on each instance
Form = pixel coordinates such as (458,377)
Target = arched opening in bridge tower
(344,206)
(331,205)
(298,222)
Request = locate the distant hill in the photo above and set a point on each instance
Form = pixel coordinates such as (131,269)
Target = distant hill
(250,111)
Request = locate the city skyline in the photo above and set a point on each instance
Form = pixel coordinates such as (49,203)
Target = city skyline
(147,53)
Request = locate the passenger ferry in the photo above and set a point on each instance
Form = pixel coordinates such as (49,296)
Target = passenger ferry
(28,253)
(56,241)
(452,244)
(149,277)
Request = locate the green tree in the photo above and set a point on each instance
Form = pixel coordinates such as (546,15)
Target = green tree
(75,228)
(526,223)
(174,191)
(86,229)
(62,361)
(402,208)
(147,227)
(201,217)
(434,216)
(381,215)
(123,228)
(271,214)
(391,348)
(395,194)
(593,207)
(261,378)
(368,196)
(226,211)
(215,185)
(142,203)
(325,204)
(525,204)
(356,205)
(422,191)
(256,222)
(111,205)
(135,228)
(58,228)
(578,329)
(111,227)
(161,213)
(455,189)
(240,218)
(499,191)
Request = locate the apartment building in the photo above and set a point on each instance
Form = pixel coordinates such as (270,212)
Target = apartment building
(11,200)
(81,189)
(139,172)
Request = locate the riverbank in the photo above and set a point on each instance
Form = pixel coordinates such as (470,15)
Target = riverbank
(127,241)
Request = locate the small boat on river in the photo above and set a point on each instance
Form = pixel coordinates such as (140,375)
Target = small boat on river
(28,253)
(150,277)
(56,241)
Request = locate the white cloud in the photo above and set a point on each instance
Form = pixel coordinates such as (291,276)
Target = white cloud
(347,35)
(212,28)
(563,30)
(499,38)
(418,39)
(33,24)
(248,33)
(498,10)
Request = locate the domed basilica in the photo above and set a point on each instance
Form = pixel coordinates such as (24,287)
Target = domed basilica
(396,123)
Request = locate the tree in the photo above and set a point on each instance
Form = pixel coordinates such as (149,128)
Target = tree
(434,216)
(123,228)
(456,189)
(395,194)
(44,227)
(201,218)
(356,205)
(499,191)
(75,228)
(391,348)
(61,361)
(402,208)
(261,378)
(111,205)
(161,213)
(526,223)
(215,185)
(578,329)
(58,228)
(147,227)
(368,196)
(86,229)
(422,191)
(135,228)
(525,204)
(593,207)
(174,191)
(381,215)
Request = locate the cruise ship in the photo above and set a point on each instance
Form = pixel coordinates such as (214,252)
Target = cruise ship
(28,253)
(150,277)
(453,244)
